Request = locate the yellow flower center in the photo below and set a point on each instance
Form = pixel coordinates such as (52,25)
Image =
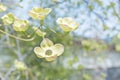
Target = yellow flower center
(48,52)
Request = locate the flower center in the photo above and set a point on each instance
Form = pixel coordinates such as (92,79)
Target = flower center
(22,26)
(48,52)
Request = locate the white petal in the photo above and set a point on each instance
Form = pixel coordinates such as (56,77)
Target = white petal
(65,27)
(46,43)
(51,58)
(59,20)
(58,49)
(39,52)
(47,10)
(67,24)
(74,25)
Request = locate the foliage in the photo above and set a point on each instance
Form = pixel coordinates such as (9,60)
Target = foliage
(58,22)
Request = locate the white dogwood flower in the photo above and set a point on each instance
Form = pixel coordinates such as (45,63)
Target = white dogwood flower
(48,50)
(39,12)
(67,24)
(20,25)
(8,19)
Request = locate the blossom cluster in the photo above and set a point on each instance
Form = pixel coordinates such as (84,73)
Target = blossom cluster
(47,48)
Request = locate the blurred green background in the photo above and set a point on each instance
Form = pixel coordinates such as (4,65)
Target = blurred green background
(90,51)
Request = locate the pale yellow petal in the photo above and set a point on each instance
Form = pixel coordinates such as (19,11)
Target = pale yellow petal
(58,49)
(65,27)
(39,13)
(51,58)
(74,25)
(38,31)
(33,14)
(59,21)
(46,43)
(67,24)
(47,10)
(37,9)
(2,7)
(63,24)
(20,25)
(39,52)
(8,19)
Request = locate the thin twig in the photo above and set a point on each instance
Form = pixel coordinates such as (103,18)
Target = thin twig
(13,36)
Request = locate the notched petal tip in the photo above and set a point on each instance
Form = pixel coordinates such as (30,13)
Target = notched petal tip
(39,52)
(51,58)
(36,49)
(39,13)
(48,10)
(46,43)
(67,24)
(59,20)
(20,25)
(8,19)
(38,31)
(58,49)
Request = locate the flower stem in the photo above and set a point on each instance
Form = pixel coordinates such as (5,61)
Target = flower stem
(13,36)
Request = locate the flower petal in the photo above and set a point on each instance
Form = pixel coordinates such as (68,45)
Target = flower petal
(65,27)
(8,19)
(37,9)
(58,49)
(47,10)
(51,58)
(59,20)
(74,25)
(33,14)
(38,31)
(46,43)
(39,52)
(20,25)
(2,7)
(67,24)
(39,12)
